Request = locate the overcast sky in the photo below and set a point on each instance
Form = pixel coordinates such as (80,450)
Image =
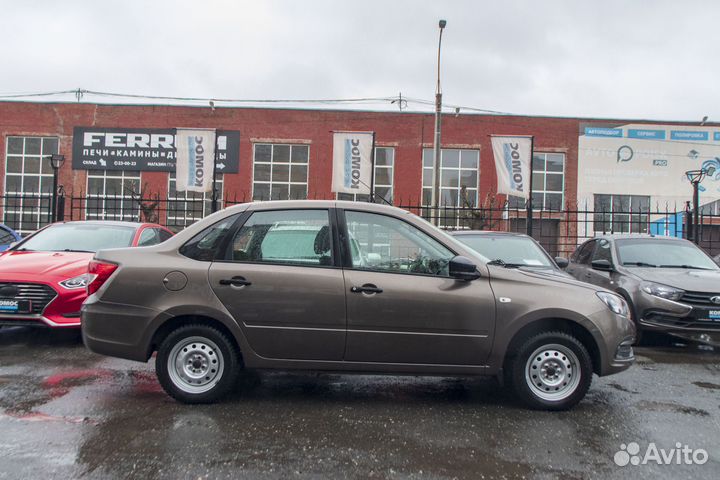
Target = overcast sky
(619,59)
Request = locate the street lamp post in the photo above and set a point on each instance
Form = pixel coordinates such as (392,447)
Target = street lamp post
(696,177)
(435,198)
(56,161)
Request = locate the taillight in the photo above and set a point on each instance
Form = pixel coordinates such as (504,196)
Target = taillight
(99,272)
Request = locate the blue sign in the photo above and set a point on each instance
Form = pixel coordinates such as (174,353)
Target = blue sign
(688,135)
(716,136)
(603,132)
(669,226)
(652,134)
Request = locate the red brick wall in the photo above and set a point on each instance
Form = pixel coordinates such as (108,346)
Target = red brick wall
(406,132)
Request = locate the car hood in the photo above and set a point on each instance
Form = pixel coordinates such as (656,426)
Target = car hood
(52,264)
(548,272)
(549,275)
(693,280)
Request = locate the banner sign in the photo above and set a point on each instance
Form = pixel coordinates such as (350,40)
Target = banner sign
(195,157)
(513,163)
(352,162)
(143,149)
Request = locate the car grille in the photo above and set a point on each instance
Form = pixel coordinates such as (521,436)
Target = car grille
(699,298)
(38,294)
(686,322)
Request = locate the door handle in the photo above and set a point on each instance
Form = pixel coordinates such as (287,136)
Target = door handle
(237,281)
(367,288)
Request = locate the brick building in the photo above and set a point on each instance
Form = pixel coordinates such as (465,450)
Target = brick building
(282,153)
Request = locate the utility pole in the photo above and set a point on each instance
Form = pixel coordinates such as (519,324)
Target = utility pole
(435,199)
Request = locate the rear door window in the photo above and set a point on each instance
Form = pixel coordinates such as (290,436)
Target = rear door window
(164,235)
(292,237)
(149,236)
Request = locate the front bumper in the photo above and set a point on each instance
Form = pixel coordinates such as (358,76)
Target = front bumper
(614,336)
(661,315)
(52,306)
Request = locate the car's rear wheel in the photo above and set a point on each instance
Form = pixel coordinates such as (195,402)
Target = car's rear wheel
(197,364)
(551,371)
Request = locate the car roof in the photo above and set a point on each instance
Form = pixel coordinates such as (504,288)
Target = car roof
(625,236)
(345,204)
(458,233)
(116,223)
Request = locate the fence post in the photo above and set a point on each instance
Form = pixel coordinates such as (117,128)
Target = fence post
(60,208)
(688,222)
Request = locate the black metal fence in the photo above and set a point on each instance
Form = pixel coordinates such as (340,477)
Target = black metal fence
(560,232)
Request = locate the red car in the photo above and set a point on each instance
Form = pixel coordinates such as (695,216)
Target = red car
(43,277)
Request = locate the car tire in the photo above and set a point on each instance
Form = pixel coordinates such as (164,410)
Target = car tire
(551,371)
(197,364)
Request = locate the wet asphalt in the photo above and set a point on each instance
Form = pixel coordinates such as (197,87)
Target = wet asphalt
(68,413)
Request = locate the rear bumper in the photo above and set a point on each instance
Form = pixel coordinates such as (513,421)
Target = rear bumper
(117,330)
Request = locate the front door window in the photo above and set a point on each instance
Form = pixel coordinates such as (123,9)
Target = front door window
(386,244)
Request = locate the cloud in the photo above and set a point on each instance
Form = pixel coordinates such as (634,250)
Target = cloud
(606,59)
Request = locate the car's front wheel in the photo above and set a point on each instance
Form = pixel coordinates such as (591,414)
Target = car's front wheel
(197,364)
(551,371)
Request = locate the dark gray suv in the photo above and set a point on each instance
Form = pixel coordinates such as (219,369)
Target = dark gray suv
(351,287)
(670,284)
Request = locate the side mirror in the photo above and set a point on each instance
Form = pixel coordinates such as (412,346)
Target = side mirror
(602,265)
(562,262)
(462,268)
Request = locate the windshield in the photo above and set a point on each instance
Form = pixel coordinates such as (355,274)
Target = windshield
(651,252)
(510,249)
(79,237)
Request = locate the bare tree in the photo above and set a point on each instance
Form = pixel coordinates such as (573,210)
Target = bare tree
(478,217)
(148,206)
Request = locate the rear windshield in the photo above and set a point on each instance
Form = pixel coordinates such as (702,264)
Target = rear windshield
(508,248)
(651,252)
(79,237)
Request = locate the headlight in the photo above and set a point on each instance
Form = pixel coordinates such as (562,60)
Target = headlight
(615,303)
(80,281)
(662,291)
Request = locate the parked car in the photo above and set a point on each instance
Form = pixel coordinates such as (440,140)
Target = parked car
(8,236)
(43,277)
(670,284)
(364,288)
(512,250)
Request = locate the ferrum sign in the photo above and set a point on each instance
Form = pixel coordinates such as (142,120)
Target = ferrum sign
(143,149)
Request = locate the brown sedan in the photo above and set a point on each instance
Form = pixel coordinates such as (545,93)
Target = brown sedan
(351,287)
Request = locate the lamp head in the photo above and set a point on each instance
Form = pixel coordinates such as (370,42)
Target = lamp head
(57,160)
(442,24)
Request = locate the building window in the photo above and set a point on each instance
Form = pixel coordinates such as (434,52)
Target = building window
(383,186)
(621,213)
(548,183)
(110,195)
(28,182)
(280,172)
(459,175)
(185,208)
